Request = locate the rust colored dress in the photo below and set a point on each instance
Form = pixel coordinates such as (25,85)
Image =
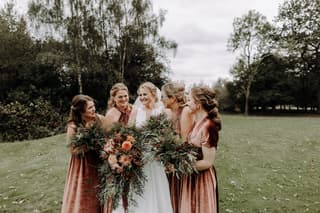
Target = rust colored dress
(199,193)
(174,182)
(82,184)
(123,119)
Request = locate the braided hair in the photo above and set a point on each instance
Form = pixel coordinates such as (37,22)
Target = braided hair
(206,97)
(175,90)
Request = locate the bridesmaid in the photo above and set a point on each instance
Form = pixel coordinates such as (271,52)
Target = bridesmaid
(119,108)
(118,112)
(199,192)
(174,99)
(81,188)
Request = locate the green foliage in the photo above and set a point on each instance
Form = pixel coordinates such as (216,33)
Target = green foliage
(115,40)
(122,175)
(156,140)
(166,146)
(272,84)
(35,120)
(224,95)
(86,139)
(250,36)
(297,35)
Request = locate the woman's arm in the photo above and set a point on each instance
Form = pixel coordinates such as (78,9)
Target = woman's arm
(112,116)
(186,122)
(208,158)
(71,130)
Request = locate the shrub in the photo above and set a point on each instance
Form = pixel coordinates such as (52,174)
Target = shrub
(37,119)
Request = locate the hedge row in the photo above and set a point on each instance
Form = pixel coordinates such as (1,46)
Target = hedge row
(37,119)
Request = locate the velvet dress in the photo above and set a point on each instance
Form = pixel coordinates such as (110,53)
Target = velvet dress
(174,182)
(123,120)
(199,193)
(82,184)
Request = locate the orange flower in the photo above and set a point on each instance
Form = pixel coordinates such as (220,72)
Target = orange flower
(126,145)
(130,138)
(125,160)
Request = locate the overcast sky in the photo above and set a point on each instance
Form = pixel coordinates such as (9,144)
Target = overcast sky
(201,29)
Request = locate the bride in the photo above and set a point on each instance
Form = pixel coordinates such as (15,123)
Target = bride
(156,195)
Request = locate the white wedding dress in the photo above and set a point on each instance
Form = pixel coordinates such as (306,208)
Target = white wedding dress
(156,195)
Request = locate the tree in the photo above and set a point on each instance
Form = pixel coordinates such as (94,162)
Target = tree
(298,35)
(272,85)
(113,36)
(226,103)
(133,43)
(16,50)
(250,36)
(73,20)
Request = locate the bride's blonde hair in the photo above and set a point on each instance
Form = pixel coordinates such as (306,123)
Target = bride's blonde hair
(151,87)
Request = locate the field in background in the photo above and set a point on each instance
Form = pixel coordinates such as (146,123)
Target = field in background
(264,164)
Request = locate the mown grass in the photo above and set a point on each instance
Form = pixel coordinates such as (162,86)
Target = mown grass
(264,164)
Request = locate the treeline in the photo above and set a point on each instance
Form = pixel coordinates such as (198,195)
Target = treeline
(278,64)
(76,47)
(87,46)
(274,90)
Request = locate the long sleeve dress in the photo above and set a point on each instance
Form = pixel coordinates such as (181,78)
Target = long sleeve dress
(82,184)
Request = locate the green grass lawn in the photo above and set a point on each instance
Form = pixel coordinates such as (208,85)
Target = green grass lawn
(264,164)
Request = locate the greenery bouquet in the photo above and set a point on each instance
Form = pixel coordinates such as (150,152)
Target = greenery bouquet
(121,173)
(166,146)
(86,139)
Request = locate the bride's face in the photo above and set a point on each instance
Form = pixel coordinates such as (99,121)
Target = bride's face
(146,97)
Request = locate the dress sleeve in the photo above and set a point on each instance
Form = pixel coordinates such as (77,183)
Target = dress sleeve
(71,130)
(209,135)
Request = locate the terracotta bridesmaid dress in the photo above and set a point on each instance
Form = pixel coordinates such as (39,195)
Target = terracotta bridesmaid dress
(199,193)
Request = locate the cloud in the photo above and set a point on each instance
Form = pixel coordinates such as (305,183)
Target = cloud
(202,29)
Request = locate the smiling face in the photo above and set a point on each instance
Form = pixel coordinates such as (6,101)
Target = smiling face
(193,105)
(89,112)
(121,99)
(146,98)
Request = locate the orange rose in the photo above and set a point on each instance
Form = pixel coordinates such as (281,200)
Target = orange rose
(126,145)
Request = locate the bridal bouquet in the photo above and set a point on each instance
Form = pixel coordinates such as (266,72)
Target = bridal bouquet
(166,146)
(86,139)
(121,173)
